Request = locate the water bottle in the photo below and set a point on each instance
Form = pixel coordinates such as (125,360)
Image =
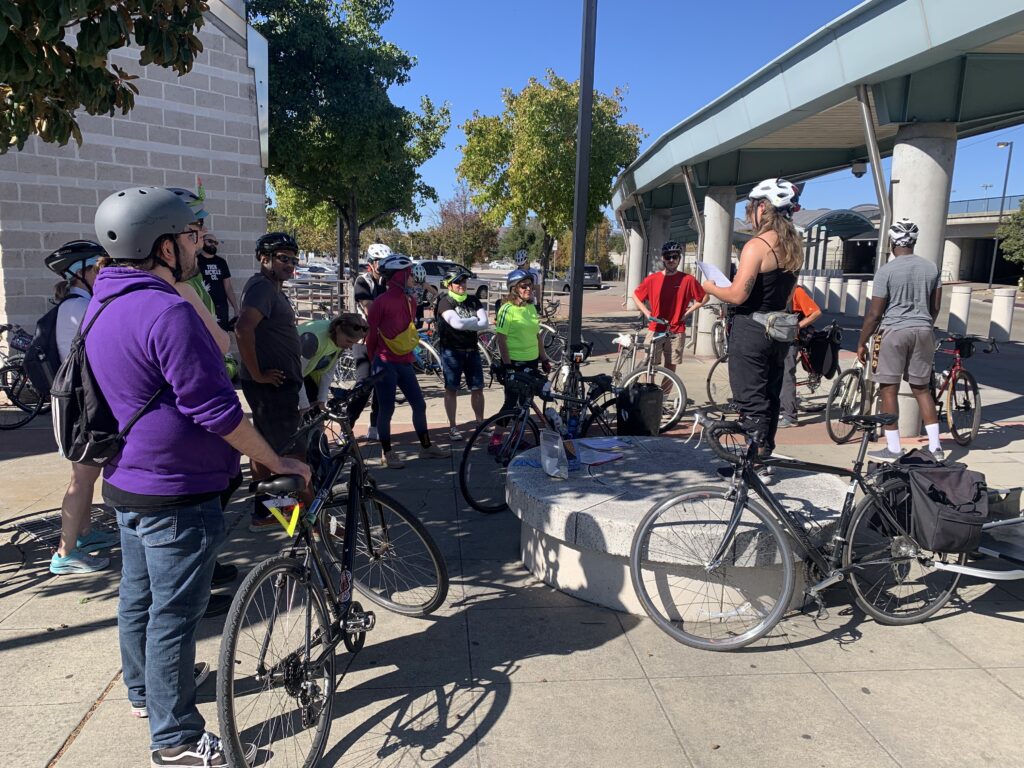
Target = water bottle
(571,449)
(555,420)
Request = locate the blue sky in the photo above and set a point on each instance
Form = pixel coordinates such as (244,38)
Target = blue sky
(673,56)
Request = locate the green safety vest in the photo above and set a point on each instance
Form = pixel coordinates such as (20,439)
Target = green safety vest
(318,350)
(230,364)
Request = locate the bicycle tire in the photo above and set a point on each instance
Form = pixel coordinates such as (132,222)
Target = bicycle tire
(233,662)
(431,366)
(963,407)
(723,628)
(416,587)
(16,410)
(553,340)
(719,389)
(719,342)
(485,362)
(482,470)
(675,403)
(602,421)
(848,397)
(870,534)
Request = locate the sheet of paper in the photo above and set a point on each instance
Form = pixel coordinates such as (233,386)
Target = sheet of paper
(603,443)
(594,458)
(714,274)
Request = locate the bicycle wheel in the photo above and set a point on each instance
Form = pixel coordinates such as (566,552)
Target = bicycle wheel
(602,421)
(485,460)
(428,362)
(674,405)
(19,402)
(846,398)
(963,407)
(553,340)
(485,362)
(893,579)
(268,692)
(712,606)
(719,388)
(343,375)
(718,340)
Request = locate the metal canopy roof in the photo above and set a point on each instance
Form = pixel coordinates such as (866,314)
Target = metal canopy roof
(937,61)
(838,223)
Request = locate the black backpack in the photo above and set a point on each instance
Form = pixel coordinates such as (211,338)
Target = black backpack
(83,424)
(42,359)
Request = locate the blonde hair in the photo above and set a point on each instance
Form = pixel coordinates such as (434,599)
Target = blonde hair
(789,249)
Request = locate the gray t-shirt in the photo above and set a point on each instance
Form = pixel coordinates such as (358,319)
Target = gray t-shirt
(277,339)
(908,283)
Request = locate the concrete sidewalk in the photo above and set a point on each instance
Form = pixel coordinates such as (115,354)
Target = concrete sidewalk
(513,673)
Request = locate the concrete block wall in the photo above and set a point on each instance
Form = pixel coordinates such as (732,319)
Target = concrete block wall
(201,124)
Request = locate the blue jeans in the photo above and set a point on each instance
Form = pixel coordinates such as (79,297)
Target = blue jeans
(402,376)
(167,564)
(457,364)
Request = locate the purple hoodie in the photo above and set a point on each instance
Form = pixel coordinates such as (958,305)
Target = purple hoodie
(142,340)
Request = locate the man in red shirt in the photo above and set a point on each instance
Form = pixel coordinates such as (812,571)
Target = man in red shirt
(804,306)
(672,295)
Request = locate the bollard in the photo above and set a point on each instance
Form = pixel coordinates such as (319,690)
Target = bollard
(959,309)
(820,290)
(807,282)
(1002,313)
(835,294)
(853,295)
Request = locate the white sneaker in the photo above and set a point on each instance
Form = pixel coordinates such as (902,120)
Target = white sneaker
(454,435)
(371,434)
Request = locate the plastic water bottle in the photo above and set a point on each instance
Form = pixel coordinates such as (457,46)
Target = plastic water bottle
(555,420)
(571,448)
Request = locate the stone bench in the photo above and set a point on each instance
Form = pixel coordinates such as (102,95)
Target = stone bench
(576,533)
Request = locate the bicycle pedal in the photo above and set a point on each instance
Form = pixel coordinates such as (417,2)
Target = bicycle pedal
(358,621)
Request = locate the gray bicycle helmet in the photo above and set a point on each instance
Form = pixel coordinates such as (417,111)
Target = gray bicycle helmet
(130,221)
(194,201)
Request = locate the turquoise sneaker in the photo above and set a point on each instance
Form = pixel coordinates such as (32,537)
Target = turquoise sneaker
(96,540)
(77,562)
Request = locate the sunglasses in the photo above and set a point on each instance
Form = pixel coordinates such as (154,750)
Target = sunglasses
(670,257)
(293,260)
(213,242)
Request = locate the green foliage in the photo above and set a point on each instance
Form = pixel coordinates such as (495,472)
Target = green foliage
(522,236)
(524,160)
(53,59)
(335,135)
(1011,236)
(314,227)
(463,235)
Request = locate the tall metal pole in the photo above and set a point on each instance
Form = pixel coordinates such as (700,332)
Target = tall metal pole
(1002,205)
(579,214)
(876,175)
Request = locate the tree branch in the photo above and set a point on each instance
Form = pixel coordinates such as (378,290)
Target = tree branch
(374,219)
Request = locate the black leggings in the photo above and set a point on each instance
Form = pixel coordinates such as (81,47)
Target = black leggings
(358,403)
(518,365)
(756,368)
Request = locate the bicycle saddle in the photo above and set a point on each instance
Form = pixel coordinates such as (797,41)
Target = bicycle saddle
(278,485)
(867,422)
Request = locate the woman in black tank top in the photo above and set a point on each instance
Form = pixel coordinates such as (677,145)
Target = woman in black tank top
(764,282)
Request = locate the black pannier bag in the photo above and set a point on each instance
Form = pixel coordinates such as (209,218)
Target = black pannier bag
(639,410)
(950,505)
(823,351)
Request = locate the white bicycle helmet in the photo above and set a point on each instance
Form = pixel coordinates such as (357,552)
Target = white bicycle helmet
(395,263)
(377,252)
(419,274)
(521,258)
(781,194)
(903,233)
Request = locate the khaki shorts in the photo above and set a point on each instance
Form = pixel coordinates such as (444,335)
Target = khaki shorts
(905,353)
(668,351)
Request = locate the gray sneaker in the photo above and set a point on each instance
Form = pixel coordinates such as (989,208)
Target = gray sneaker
(938,454)
(205,753)
(884,455)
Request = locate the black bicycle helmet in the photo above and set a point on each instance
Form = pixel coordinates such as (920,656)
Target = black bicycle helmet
(71,258)
(276,241)
(671,247)
(453,276)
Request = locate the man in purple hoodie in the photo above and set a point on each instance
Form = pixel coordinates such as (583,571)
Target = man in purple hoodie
(177,458)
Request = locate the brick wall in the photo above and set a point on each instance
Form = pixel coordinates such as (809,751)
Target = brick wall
(201,124)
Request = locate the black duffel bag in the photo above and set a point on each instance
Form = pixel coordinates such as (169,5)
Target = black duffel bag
(639,410)
(950,505)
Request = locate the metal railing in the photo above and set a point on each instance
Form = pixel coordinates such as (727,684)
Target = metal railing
(318,299)
(984,205)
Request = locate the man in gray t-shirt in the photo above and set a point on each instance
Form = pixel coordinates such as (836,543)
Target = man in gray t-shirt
(904,305)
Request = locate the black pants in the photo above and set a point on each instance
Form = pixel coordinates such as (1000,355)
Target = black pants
(787,400)
(512,400)
(756,368)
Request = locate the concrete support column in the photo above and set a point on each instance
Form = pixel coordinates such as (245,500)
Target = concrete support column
(853,298)
(719,214)
(820,290)
(922,167)
(835,294)
(658,233)
(1002,313)
(636,253)
(952,252)
(959,309)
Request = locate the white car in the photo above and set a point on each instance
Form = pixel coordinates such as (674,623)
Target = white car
(437,269)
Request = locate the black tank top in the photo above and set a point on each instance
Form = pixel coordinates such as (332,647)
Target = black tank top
(771,289)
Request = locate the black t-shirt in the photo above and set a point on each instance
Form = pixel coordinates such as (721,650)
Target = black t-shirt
(457,341)
(215,271)
(277,339)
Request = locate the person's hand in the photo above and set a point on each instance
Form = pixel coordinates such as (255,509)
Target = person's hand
(862,353)
(546,365)
(270,376)
(287,466)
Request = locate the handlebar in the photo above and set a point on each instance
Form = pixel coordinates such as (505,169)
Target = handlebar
(716,429)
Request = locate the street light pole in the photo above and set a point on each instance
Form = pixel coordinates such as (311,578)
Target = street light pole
(1002,204)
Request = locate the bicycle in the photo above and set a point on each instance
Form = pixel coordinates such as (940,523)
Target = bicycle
(20,402)
(691,555)
(277,673)
(633,342)
(499,439)
(853,393)
(426,358)
(720,329)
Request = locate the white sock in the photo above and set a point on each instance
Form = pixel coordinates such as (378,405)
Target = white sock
(892,439)
(932,430)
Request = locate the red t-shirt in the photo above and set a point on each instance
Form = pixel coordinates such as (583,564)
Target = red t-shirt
(669,296)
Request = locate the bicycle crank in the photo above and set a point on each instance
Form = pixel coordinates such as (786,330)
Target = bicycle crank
(357,623)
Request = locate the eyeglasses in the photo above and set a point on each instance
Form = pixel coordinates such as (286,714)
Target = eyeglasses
(213,242)
(526,285)
(670,257)
(285,259)
(191,233)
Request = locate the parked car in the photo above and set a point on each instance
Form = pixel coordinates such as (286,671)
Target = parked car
(436,269)
(591,278)
(508,266)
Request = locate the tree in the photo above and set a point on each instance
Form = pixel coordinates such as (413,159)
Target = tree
(1011,236)
(596,248)
(314,227)
(524,160)
(463,235)
(522,236)
(335,135)
(53,59)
